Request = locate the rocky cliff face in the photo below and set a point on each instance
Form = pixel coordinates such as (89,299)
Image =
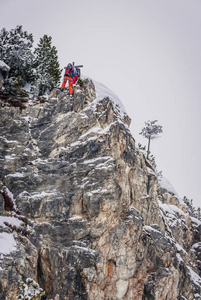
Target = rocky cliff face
(82,214)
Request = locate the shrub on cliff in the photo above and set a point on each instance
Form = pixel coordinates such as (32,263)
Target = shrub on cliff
(30,290)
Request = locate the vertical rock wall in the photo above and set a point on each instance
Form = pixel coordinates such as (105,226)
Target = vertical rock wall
(87,215)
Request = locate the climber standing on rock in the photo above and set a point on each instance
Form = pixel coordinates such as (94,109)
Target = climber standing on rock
(68,76)
(71,75)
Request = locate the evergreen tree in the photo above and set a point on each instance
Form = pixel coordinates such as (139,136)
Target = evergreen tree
(189,206)
(16,51)
(196,213)
(46,66)
(150,132)
(199,213)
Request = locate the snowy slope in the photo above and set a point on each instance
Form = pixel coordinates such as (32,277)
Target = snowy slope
(103,91)
(165,184)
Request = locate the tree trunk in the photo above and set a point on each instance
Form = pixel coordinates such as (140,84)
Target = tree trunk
(148,149)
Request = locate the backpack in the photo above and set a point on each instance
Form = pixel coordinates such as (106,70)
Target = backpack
(69,69)
(78,72)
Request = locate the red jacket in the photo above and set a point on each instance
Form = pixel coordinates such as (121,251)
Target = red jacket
(75,78)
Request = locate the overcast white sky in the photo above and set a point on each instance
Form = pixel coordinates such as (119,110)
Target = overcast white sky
(148,52)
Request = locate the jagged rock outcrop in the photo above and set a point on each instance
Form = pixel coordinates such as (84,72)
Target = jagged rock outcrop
(82,214)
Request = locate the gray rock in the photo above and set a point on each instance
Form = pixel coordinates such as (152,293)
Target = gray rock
(87,221)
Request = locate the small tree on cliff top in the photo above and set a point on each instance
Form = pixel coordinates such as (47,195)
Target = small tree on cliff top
(150,132)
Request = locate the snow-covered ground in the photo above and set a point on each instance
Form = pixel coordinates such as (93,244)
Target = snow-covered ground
(7,243)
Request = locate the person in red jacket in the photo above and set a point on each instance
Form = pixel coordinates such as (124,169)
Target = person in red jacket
(69,76)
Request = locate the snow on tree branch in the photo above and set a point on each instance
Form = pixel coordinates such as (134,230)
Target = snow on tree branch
(150,132)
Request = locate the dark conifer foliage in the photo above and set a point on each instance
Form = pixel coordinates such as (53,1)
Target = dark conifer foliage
(16,48)
(39,67)
(46,66)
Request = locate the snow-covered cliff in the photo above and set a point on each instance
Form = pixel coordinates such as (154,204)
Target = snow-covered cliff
(82,215)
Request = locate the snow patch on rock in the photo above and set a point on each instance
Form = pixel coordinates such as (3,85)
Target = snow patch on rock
(7,243)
